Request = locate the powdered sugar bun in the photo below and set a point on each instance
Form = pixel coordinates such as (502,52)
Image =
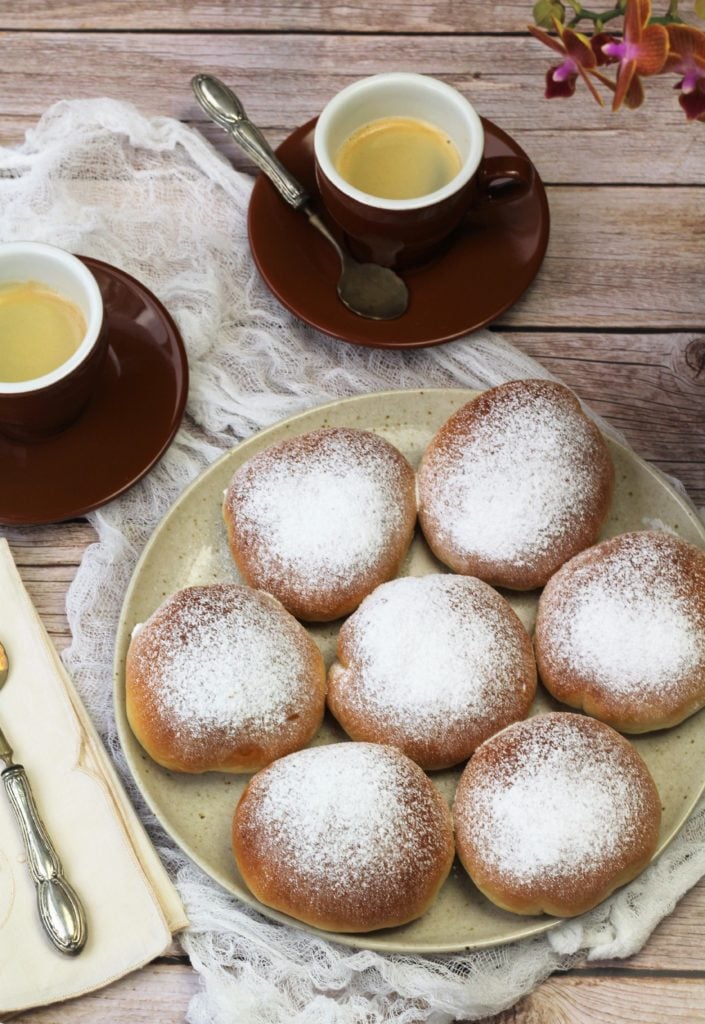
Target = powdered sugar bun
(223,678)
(349,837)
(321,519)
(514,484)
(554,813)
(432,665)
(621,631)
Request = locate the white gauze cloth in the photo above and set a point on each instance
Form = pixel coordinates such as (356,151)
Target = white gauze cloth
(153,197)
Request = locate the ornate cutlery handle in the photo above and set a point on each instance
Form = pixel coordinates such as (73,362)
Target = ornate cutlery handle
(222,106)
(60,909)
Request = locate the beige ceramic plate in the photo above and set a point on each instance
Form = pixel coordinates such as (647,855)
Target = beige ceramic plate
(189,547)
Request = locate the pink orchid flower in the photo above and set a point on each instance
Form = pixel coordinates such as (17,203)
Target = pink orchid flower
(687,58)
(578,59)
(641,51)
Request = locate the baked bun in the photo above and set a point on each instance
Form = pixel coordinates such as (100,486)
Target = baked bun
(349,837)
(621,631)
(321,519)
(222,678)
(514,484)
(432,665)
(554,813)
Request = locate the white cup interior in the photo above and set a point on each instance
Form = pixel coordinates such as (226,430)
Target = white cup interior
(62,272)
(399,94)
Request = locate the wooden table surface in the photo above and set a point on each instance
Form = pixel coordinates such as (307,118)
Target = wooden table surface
(617,311)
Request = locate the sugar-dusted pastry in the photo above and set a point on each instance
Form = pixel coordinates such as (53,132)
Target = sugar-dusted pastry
(223,678)
(514,484)
(554,813)
(621,631)
(433,665)
(349,837)
(319,520)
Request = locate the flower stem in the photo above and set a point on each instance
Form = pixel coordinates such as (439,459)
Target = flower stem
(600,18)
(583,14)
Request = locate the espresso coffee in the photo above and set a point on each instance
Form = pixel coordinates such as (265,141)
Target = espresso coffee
(39,331)
(398,158)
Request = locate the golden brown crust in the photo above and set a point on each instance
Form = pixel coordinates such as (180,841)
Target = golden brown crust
(321,519)
(432,665)
(223,678)
(620,631)
(351,837)
(554,813)
(514,484)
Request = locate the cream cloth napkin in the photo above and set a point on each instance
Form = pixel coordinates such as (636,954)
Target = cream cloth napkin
(131,907)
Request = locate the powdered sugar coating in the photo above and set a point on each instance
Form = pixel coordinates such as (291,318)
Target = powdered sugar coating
(320,519)
(433,665)
(554,812)
(351,836)
(514,483)
(224,674)
(621,630)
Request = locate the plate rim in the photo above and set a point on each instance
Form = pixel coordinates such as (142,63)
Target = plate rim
(353,940)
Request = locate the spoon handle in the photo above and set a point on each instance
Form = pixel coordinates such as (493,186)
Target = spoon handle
(223,106)
(60,909)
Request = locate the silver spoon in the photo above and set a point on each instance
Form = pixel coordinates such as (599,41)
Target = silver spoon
(365,288)
(60,909)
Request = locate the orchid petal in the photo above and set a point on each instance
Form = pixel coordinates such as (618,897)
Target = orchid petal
(591,87)
(653,50)
(625,75)
(578,47)
(693,103)
(687,44)
(634,96)
(547,40)
(636,17)
(597,42)
(604,79)
(562,87)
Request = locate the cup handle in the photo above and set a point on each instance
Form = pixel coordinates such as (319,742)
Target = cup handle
(516,171)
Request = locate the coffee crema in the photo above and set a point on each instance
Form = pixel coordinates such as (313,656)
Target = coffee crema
(39,330)
(398,158)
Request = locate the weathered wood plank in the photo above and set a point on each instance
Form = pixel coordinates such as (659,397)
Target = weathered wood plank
(570,141)
(461,16)
(162,992)
(619,257)
(159,993)
(47,558)
(48,545)
(576,999)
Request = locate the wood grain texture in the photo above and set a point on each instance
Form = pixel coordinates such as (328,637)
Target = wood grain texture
(570,141)
(573,999)
(161,993)
(455,16)
(47,558)
(591,276)
(158,994)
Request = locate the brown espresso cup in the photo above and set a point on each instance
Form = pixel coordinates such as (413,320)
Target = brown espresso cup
(402,231)
(34,406)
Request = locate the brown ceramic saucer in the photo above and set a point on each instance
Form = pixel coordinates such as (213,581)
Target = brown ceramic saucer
(127,426)
(490,262)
